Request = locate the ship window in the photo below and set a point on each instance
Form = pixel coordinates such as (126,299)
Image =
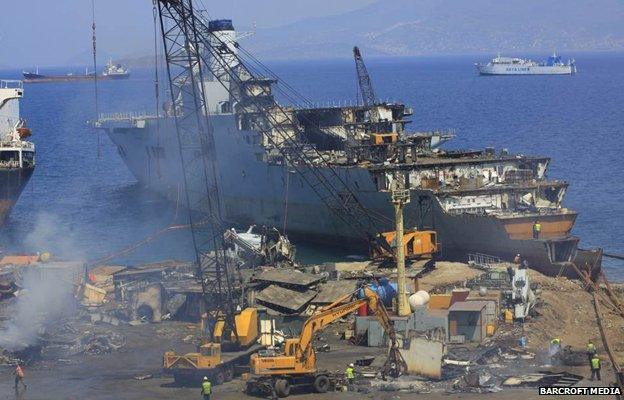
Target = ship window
(8,156)
(28,158)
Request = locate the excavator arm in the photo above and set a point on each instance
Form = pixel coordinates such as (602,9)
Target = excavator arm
(304,350)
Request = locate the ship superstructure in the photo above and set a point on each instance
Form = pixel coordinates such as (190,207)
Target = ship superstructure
(17,155)
(115,71)
(554,65)
(478,201)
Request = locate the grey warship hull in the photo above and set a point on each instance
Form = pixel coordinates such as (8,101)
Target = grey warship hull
(254,192)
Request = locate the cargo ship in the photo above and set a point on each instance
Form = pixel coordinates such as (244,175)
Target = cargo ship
(479,201)
(111,71)
(554,65)
(17,155)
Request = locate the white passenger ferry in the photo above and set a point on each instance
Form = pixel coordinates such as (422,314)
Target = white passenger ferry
(520,66)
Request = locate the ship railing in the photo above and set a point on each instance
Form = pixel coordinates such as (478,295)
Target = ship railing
(11,84)
(483,261)
(125,116)
(23,144)
(17,144)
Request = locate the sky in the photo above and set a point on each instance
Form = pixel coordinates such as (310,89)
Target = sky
(58,33)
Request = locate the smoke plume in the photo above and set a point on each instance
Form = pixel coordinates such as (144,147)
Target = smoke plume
(46,296)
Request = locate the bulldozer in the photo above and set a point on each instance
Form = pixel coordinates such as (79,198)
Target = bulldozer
(296,366)
(221,358)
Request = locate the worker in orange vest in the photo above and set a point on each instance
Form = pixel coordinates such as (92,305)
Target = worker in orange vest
(19,376)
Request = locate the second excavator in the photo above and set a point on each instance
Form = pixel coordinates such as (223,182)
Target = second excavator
(295,367)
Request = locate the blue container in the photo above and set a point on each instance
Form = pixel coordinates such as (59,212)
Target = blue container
(385,290)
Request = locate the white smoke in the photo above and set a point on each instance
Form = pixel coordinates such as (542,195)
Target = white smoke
(46,297)
(52,235)
(47,289)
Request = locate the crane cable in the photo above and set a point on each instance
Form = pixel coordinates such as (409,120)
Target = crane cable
(156,86)
(286,190)
(95,80)
(156,77)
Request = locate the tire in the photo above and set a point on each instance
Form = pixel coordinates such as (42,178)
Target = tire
(282,388)
(228,373)
(321,384)
(218,377)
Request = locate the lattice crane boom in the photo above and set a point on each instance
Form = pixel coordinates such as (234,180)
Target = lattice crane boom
(210,51)
(364,80)
(197,153)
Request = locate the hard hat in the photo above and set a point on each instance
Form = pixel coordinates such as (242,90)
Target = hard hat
(205,378)
(518,255)
(351,365)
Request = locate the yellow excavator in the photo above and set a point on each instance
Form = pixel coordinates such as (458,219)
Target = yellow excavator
(209,360)
(296,366)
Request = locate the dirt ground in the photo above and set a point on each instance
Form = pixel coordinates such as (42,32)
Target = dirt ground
(448,274)
(566,311)
(112,376)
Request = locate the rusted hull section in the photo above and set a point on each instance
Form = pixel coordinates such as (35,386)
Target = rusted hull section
(553,226)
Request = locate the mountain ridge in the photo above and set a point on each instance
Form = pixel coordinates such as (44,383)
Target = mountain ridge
(431,27)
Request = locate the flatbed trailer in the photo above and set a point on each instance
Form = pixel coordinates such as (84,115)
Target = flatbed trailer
(186,372)
(317,382)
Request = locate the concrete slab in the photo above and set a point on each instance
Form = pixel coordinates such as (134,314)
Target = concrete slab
(281,298)
(424,357)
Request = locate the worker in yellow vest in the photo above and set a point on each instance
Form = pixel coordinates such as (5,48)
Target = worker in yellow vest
(206,388)
(595,367)
(554,348)
(350,375)
(591,351)
(537,229)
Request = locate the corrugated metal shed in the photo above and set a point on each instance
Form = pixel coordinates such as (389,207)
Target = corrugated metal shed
(468,319)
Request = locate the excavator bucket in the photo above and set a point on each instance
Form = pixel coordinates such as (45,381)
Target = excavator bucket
(395,365)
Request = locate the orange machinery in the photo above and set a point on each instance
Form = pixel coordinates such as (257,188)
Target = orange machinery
(296,366)
(219,360)
(416,244)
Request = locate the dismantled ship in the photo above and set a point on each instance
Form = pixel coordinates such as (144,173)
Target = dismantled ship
(478,201)
(17,155)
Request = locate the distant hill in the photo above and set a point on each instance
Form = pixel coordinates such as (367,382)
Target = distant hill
(428,27)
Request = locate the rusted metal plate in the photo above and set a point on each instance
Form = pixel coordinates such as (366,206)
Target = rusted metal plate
(285,299)
(331,291)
